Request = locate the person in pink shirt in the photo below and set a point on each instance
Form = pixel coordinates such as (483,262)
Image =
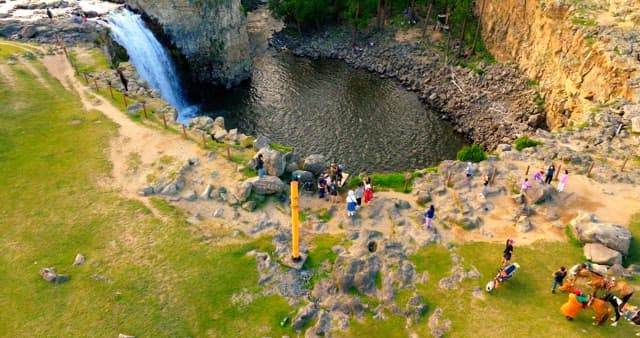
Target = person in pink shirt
(525,186)
(563,180)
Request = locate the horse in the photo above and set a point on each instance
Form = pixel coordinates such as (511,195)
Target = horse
(601,308)
(577,271)
(573,306)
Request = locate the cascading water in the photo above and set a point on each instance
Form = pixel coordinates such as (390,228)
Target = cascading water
(150,59)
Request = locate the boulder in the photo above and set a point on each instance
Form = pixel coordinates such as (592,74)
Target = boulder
(204,123)
(232,136)
(134,108)
(274,161)
(79,260)
(243,190)
(613,236)
(322,327)
(303,316)
(261,142)
(219,123)
(219,134)
(206,194)
(600,254)
(303,175)
(315,163)
(267,185)
(50,275)
(540,193)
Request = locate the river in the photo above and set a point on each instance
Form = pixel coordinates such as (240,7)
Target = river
(323,106)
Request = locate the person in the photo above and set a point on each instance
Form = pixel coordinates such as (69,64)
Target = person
(368,191)
(468,172)
(322,186)
(563,180)
(550,172)
(525,186)
(574,304)
(260,166)
(508,252)
(333,191)
(429,216)
(537,176)
(49,14)
(359,194)
(485,185)
(351,203)
(558,278)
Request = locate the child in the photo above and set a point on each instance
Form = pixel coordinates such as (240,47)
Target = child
(368,191)
(322,186)
(525,186)
(359,194)
(333,192)
(351,203)
(429,216)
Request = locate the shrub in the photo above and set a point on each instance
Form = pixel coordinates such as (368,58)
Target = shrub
(473,153)
(526,142)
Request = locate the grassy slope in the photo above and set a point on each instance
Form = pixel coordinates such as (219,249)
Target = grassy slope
(161,280)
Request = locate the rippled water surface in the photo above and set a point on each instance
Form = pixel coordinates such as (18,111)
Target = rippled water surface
(325,107)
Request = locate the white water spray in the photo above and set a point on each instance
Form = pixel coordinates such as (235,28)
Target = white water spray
(150,59)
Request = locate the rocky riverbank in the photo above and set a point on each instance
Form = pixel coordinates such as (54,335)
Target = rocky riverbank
(490,104)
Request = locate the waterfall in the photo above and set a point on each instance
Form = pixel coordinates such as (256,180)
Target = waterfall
(150,59)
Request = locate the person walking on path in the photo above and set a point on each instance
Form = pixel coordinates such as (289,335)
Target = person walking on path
(558,278)
(368,191)
(550,172)
(507,254)
(351,203)
(428,219)
(260,166)
(359,194)
(563,180)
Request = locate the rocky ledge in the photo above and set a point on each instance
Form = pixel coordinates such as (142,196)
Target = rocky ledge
(490,104)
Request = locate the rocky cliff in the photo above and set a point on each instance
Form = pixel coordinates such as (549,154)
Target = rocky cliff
(583,54)
(211,35)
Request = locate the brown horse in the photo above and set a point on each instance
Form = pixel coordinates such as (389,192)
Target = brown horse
(581,271)
(601,308)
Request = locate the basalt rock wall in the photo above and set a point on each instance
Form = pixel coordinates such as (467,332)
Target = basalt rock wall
(211,35)
(583,54)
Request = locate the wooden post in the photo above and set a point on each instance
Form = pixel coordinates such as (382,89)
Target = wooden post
(623,164)
(493,175)
(407,177)
(557,172)
(95,82)
(144,109)
(124,99)
(204,140)
(110,90)
(526,173)
(228,153)
(184,130)
(448,179)
(86,80)
(590,167)
(164,120)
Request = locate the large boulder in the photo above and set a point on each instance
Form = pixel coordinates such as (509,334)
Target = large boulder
(303,316)
(204,123)
(635,124)
(523,224)
(600,254)
(315,163)
(540,193)
(261,142)
(242,191)
(303,175)
(275,162)
(267,185)
(613,236)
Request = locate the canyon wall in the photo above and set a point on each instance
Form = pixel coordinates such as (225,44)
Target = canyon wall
(582,55)
(211,35)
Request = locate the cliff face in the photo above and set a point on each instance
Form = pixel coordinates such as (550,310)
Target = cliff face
(583,54)
(211,35)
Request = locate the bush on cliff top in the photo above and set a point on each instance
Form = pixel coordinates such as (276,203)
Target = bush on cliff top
(472,153)
(525,142)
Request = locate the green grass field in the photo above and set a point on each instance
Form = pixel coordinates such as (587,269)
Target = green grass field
(153,278)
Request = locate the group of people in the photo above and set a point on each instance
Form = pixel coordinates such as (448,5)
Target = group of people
(362,195)
(538,177)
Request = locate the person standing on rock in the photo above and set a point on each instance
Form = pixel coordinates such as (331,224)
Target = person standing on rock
(428,219)
(468,173)
(322,186)
(351,203)
(563,180)
(260,166)
(550,172)
(485,186)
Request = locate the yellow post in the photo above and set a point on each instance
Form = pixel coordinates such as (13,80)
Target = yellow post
(295,236)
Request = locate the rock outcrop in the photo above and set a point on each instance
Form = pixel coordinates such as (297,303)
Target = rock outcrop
(211,35)
(582,54)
